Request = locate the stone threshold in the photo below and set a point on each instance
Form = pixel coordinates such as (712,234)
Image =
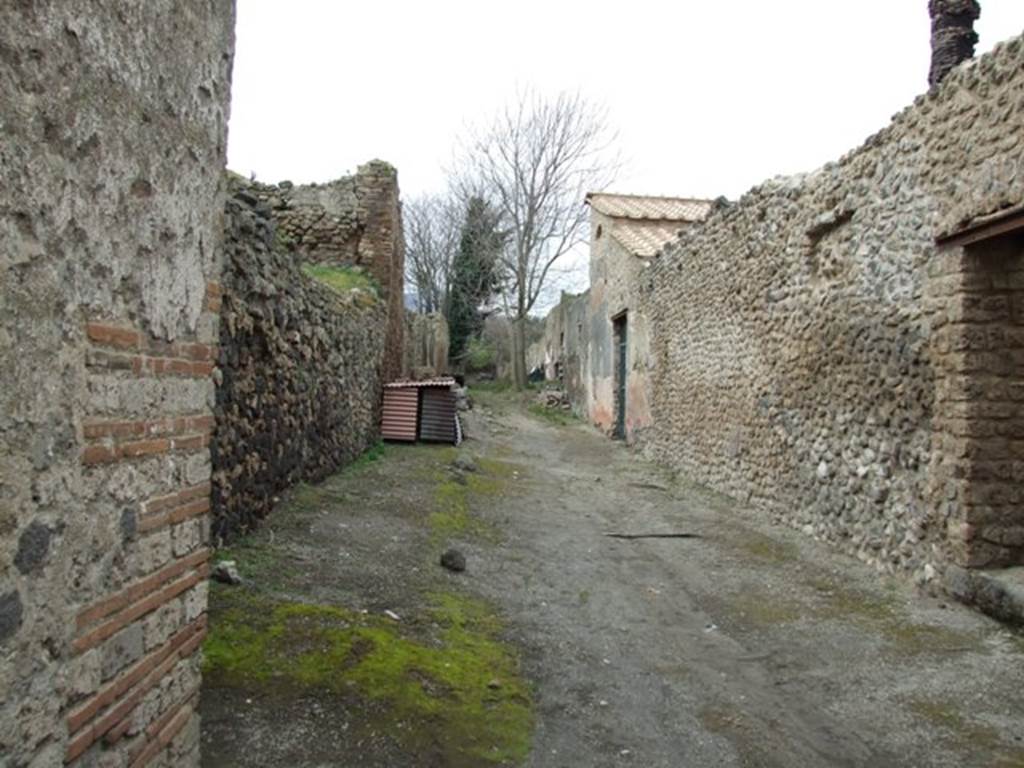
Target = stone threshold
(998,593)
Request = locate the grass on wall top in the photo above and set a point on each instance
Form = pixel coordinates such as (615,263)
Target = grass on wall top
(343,279)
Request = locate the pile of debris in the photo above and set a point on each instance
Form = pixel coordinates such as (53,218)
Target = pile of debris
(554,398)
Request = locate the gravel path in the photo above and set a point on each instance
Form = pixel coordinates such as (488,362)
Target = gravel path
(743,645)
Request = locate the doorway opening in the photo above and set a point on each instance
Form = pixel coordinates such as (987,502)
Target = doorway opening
(620,337)
(980,413)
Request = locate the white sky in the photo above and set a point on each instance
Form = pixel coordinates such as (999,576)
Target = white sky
(709,98)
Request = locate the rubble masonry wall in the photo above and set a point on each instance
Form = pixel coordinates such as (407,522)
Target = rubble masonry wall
(816,355)
(112,144)
(300,371)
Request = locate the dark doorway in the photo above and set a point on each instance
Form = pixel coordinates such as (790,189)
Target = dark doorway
(620,342)
(978,407)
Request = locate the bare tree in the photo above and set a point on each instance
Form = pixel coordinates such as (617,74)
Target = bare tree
(535,163)
(953,35)
(432,224)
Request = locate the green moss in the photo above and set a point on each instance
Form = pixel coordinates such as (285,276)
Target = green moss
(461,692)
(967,735)
(763,609)
(766,548)
(880,611)
(256,562)
(453,500)
(375,453)
(451,516)
(343,279)
(503,470)
(282,241)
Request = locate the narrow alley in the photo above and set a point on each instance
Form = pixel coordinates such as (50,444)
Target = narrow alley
(740,644)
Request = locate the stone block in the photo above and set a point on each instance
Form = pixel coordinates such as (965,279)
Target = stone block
(124,648)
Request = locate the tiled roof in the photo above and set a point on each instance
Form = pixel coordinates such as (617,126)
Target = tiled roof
(645,238)
(649,208)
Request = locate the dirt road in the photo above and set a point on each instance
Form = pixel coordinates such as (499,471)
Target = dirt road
(744,645)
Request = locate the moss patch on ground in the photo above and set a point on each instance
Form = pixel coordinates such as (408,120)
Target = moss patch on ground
(458,691)
(967,734)
(343,279)
(764,608)
(455,496)
(765,548)
(879,611)
(258,563)
(558,417)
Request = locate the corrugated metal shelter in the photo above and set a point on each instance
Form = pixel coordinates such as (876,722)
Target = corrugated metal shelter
(401,414)
(421,410)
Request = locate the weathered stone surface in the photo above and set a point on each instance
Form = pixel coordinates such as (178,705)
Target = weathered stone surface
(352,221)
(425,342)
(953,35)
(1001,597)
(33,546)
(453,560)
(11,612)
(301,371)
(812,350)
(122,649)
(226,572)
(112,128)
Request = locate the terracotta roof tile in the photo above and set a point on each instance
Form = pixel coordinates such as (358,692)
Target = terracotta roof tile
(645,238)
(650,208)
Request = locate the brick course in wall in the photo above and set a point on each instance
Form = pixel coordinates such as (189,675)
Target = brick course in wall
(111,149)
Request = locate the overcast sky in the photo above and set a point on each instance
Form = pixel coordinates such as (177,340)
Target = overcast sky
(709,98)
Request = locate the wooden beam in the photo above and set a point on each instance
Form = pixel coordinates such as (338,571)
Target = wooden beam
(985,228)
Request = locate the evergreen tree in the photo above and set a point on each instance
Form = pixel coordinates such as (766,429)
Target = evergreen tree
(474,274)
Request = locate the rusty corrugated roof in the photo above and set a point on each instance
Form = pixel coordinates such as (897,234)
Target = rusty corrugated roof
(650,207)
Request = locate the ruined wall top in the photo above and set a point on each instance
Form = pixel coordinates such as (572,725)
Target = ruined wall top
(352,221)
(333,222)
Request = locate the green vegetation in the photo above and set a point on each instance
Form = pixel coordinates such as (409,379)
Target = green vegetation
(282,241)
(451,516)
(474,274)
(344,280)
(765,609)
(480,355)
(459,691)
(374,453)
(557,416)
(967,735)
(765,547)
(256,562)
(498,385)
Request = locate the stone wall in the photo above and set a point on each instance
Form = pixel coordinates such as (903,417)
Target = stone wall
(563,352)
(426,342)
(111,150)
(614,282)
(352,221)
(814,354)
(300,370)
